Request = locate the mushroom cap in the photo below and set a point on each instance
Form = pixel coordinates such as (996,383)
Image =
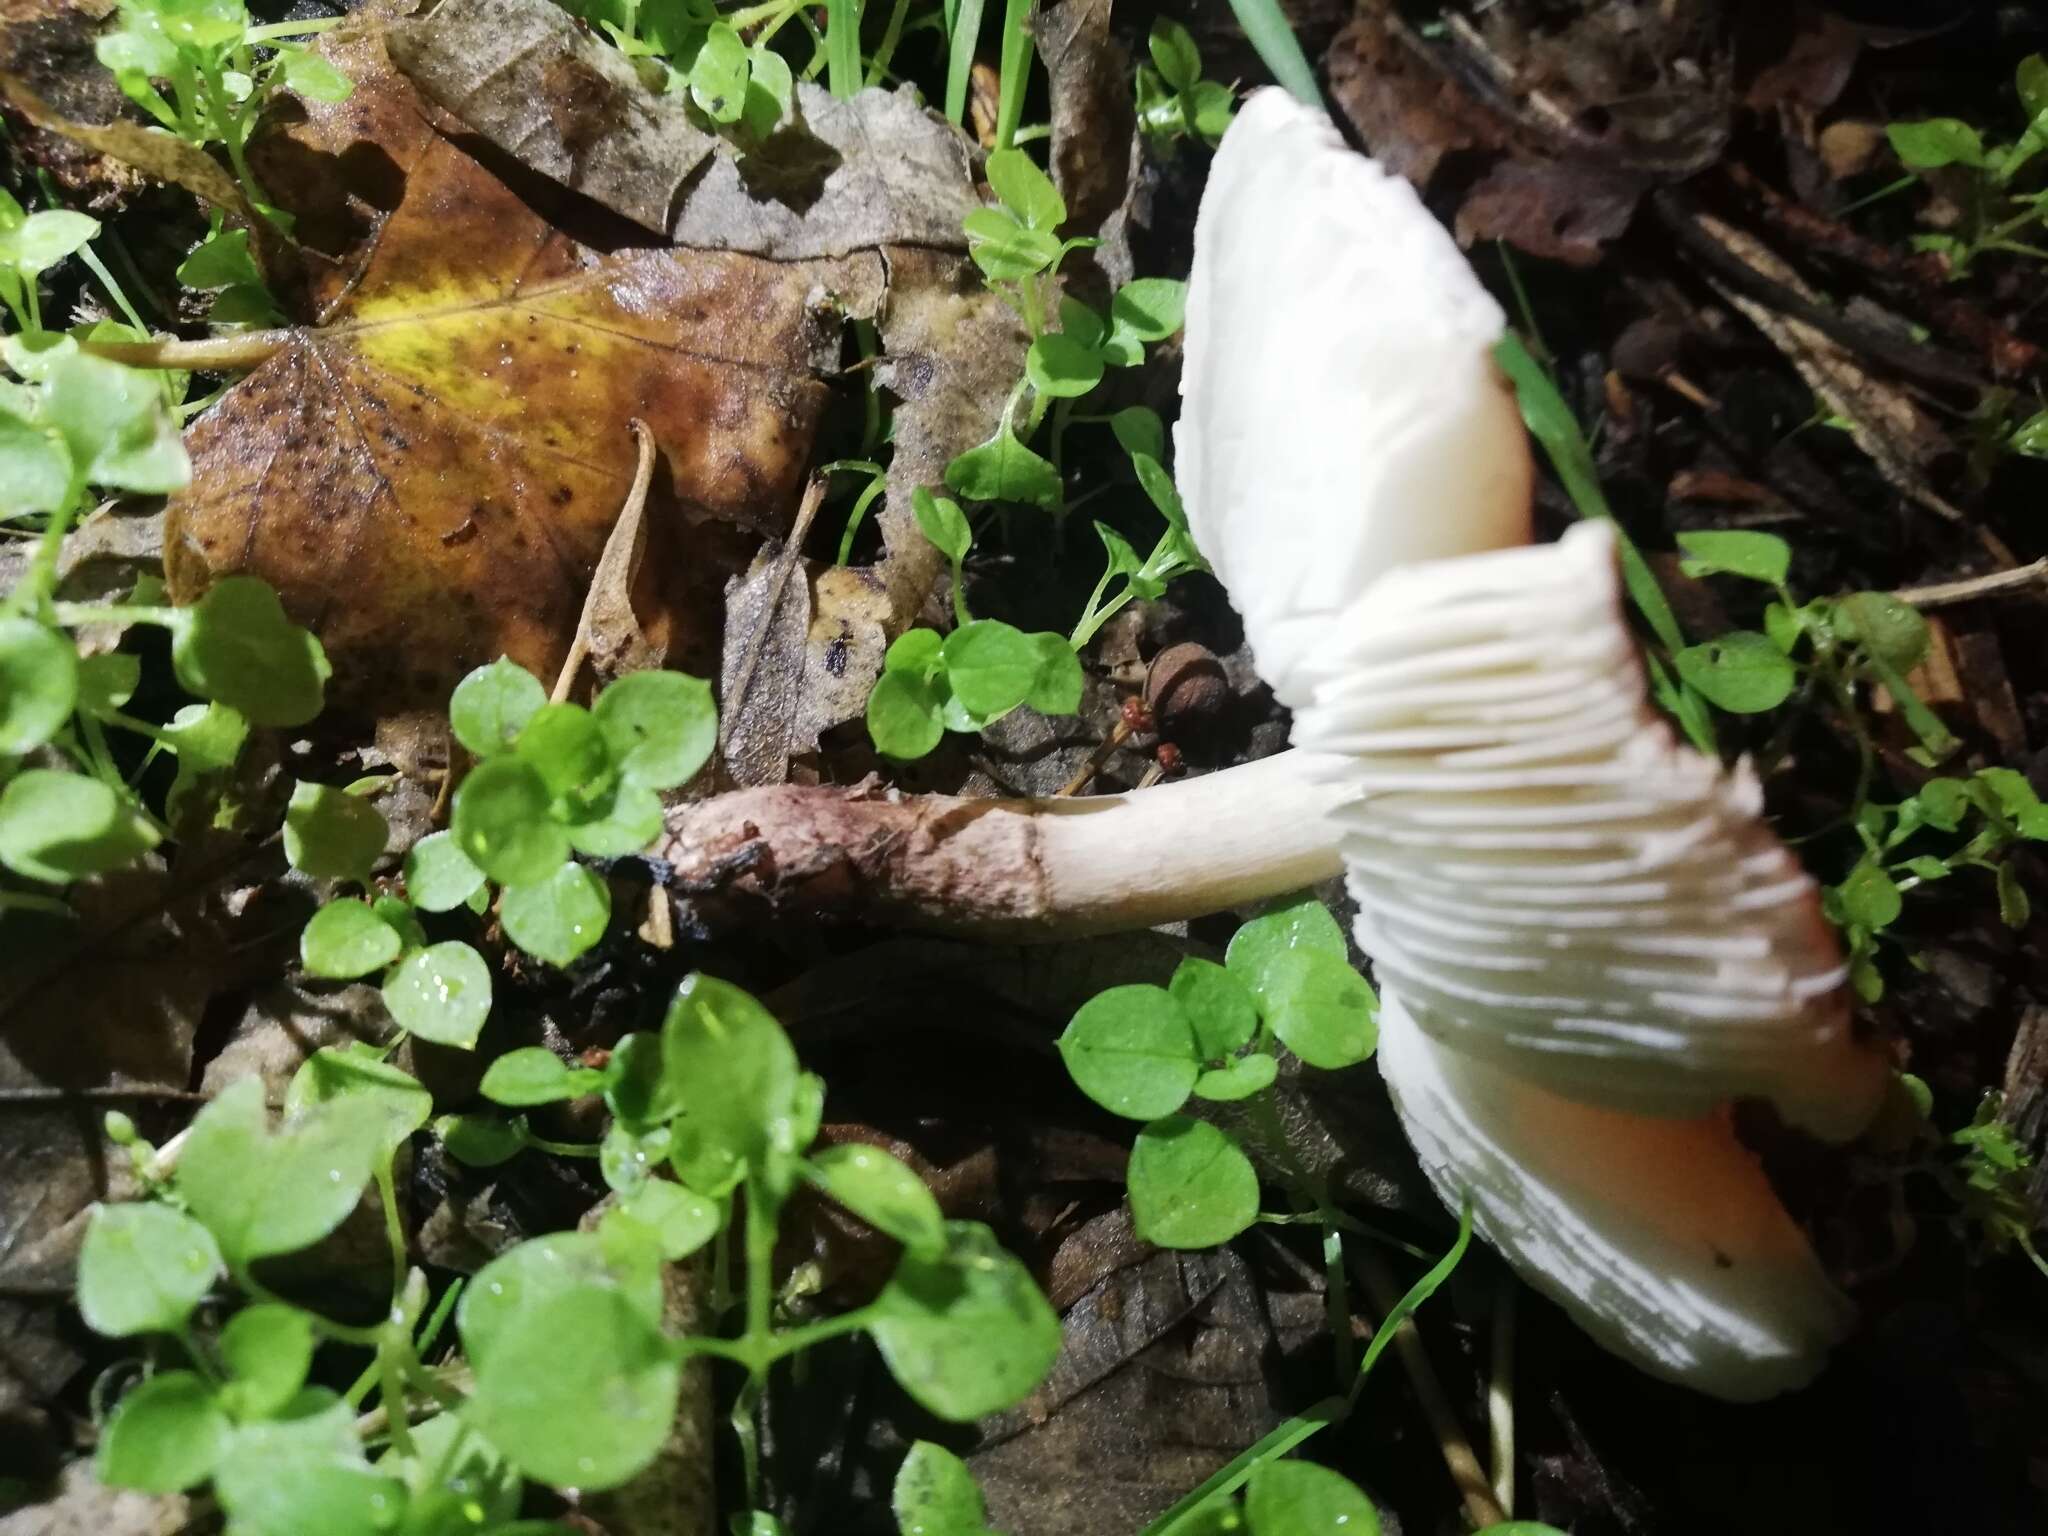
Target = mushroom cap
(1661,1238)
(1553,882)
(1341,411)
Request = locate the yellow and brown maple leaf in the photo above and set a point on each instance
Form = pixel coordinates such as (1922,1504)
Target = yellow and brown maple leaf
(428,475)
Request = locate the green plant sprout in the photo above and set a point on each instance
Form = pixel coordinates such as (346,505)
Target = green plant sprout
(223,265)
(1142,1051)
(739,87)
(1989,1180)
(1994,214)
(219,72)
(969,679)
(566,1377)
(68,423)
(552,779)
(1174,101)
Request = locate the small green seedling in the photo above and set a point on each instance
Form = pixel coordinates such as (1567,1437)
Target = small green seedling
(551,780)
(1142,1051)
(567,1377)
(223,266)
(31,244)
(1174,101)
(71,423)
(205,74)
(967,680)
(738,88)
(1994,215)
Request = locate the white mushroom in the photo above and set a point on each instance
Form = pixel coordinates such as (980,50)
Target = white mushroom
(1341,413)
(1662,1238)
(1588,939)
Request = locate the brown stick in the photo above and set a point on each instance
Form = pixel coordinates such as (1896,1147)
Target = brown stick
(1941,593)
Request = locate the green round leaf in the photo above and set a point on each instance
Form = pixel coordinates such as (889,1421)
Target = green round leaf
(882,1191)
(331,834)
(441,993)
(38,684)
(1302,924)
(1322,1010)
(143,1268)
(533,1074)
(661,727)
(906,713)
(1743,672)
(479,1141)
(167,1435)
(718,77)
(1218,1007)
(1939,141)
(108,681)
(1738,552)
(935,1494)
(439,876)
(502,823)
(1191,1186)
(1003,469)
(358,1073)
(579,1390)
(311,76)
(1004,249)
(1056,686)
(35,469)
(1869,896)
(1891,629)
(964,1330)
(1238,1078)
(991,666)
(628,824)
(1174,54)
(1299,1498)
(1062,367)
(728,1062)
(566,747)
(237,647)
(303,1473)
(1152,308)
(558,918)
(1139,430)
(681,1219)
(346,939)
(491,706)
(58,827)
(267,1349)
(1026,190)
(1132,1050)
(263,1193)
(45,238)
(531,1274)
(940,519)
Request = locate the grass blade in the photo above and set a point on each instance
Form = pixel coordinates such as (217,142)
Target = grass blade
(842,47)
(1266,26)
(963,32)
(1016,63)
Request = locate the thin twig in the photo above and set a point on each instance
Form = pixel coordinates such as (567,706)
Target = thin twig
(1467,1475)
(1941,593)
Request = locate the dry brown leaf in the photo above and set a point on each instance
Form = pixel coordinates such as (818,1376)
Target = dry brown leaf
(429,477)
(554,94)
(839,177)
(608,634)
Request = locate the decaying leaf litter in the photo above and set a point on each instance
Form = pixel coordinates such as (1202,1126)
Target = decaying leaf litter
(1747,370)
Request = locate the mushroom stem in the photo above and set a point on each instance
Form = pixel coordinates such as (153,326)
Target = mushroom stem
(1046,868)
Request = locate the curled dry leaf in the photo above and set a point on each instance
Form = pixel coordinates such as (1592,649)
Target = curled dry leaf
(430,475)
